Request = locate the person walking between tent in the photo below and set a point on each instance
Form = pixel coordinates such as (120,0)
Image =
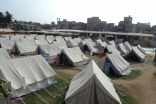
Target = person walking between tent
(57,60)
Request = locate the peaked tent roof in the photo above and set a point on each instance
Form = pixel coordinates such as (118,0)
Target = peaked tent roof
(76,56)
(52,49)
(112,48)
(27,47)
(139,53)
(72,43)
(121,65)
(7,44)
(78,40)
(112,43)
(88,40)
(91,86)
(61,44)
(127,46)
(50,38)
(122,48)
(4,54)
(40,37)
(34,69)
(41,42)
(92,45)
(67,38)
(142,50)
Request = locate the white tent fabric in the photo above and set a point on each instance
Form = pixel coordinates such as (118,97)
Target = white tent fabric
(31,37)
(26,39)
(41,42)
(3,38)
(138,53)
(40,37)
(4,54)
(17,37)
(88,40)
(67,38)
(127,46)
(112,43)
(8,36)
(142,50)
(75,55)
(122,66)
(9,45)
(91,86)
(92,45)
(72,43)
(34,69)
(61,44)
(52,49)
(112,48)
(59,39)
(103,44)
(27,48)
(98,41)
(122,48)
(78,40)
(50,38)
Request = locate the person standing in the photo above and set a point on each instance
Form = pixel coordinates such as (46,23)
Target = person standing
(57,60)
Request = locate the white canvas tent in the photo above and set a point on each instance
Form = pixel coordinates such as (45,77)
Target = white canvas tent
(8,36)
(59,39)
(112,48)
(3,38)
(142,50)
(98,41)
(127,46)
(91,86)
(17,37)
(112,43)
(4,54)
(52,49)
(122,48)
(41,42)
(60,44)
(67,38)
(88,40)
(76,56)
(119,64)
(139,54)
(27,48)
(78,40)
(91,46)
(35,70)
(40,37)
(50,38)
(72,43)
(9,45)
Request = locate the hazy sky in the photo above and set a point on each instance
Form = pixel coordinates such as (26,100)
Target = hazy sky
(112,11)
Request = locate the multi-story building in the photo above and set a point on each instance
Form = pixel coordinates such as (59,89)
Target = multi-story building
(93,23)
(110,27)
(64,24)
(143,27)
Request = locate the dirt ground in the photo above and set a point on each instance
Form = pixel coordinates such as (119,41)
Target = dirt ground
(142,89)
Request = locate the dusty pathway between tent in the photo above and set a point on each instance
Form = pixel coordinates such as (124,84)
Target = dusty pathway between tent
(142,88)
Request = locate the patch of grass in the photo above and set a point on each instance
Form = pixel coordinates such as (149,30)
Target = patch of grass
(125,98)
(132,75)
(58,94)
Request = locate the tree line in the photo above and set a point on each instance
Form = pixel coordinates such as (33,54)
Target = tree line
(5,19)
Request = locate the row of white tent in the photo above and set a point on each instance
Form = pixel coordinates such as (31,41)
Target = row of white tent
(18,37)
(29,74)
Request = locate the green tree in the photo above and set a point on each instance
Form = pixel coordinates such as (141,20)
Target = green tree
(1,19)
(3,92)
(5,19)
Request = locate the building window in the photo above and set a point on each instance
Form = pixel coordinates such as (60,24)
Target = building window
(32,28)
(28,27)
